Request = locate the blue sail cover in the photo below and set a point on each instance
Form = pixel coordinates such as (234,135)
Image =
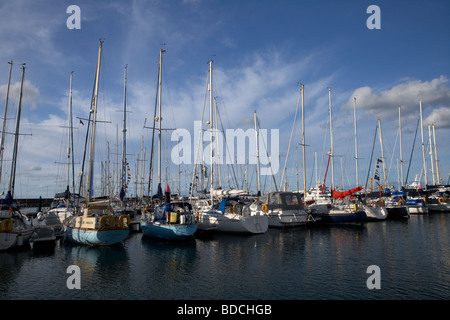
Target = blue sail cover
(122,194)
(399,193)
(159,193)
(222,205)
(63,195)
(8,199)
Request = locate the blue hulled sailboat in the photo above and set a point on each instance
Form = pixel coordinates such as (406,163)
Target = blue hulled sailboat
(97,225)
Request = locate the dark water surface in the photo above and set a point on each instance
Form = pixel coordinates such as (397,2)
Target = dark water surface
(326,262)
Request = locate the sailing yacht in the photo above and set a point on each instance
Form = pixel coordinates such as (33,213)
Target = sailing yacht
(15,230)
(214,213)
(97,225)
(332,206)
(170,220)
(230,214)
(119,202)
(62,207)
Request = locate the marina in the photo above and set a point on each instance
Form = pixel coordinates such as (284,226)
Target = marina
(326,262)
(217,157)
(218,243)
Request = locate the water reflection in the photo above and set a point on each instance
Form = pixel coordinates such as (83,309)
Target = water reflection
(98,257)
(173,258)
(11,263)
(323,262)
(104,271)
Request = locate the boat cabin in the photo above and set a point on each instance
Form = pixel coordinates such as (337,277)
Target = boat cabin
(283,200)
(173,212)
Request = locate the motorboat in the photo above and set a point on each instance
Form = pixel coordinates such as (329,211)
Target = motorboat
(283,209)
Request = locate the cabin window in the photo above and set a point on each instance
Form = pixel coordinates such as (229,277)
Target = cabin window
(291,200)
(273,200)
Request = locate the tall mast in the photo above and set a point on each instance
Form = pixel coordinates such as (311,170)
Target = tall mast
(303,140)
(70,152)
(431,154)
(12,179)
(124,136)
(296,166)
(2,145)
(258,183)
(68,136)
(160,115)
(436,157)
(219,177)
(331,141)
(382,153)
(315,165)
(150,175)
(401,149)
(290,143)
(94,122)
(142,169)
(210,88)
(356,141)
(116,164)
(423,146)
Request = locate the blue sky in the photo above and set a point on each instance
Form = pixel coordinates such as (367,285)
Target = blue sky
(261,51)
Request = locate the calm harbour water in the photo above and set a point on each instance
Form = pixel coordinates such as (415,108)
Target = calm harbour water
(326,262)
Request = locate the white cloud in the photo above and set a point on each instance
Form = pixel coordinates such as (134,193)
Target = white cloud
(440,117)
(384,104)
(30,94)
(262,79)
(34,168)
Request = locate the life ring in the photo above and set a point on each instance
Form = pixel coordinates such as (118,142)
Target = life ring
(381,202)
(7,225)
(264,208)
(233,209)
(121,218)
(355,206)
(110,221)
(401,202)
(441,200)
